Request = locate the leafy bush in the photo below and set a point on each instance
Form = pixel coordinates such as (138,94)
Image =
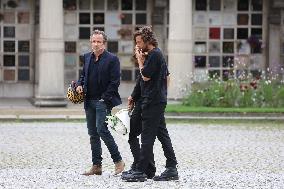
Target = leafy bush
(236,93)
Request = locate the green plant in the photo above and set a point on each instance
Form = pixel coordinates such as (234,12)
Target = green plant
(280,97)
(236,93)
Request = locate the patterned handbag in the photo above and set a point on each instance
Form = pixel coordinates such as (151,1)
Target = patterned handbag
(72,95)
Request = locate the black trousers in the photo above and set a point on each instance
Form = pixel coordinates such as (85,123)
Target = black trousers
(154,125)
(135,131)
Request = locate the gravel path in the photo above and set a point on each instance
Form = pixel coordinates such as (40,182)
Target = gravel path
(52,155)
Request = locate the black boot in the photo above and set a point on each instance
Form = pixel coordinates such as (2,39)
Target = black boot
(150,175)
(130,171)
(136,176)
(151,170)
(170,173)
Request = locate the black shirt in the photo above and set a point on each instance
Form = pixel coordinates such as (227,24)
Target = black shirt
(94,92)
(154,91)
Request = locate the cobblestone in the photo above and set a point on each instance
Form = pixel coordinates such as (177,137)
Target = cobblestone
(53,155)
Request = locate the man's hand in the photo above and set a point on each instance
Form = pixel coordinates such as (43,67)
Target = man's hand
(140,60)
(130,103)
(79,89)
(139,56)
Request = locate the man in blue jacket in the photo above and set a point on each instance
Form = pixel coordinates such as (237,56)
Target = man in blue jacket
(99,81)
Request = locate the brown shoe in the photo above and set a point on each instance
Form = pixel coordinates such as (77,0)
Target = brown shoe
(119,167)
(95,170)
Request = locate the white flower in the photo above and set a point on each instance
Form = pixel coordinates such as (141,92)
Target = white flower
(115,124)
(111,120)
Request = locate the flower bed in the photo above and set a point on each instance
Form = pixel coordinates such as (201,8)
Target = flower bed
(249,92)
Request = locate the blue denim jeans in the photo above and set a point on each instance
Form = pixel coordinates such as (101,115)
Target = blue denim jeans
(96,112)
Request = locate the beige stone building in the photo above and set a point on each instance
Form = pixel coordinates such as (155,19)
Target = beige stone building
(42,40)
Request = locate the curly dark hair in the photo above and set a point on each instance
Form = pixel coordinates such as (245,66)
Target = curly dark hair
(147,35)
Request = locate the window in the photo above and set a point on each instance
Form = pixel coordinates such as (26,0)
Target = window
(256,5)
(141,18)
(9,46)
(16,45)
(140,4)
(24,60)
(215,5)
(229,33)
(23,46)
(200,47)
(112,4)
(229,5)
(9,75)
(84,18)
(126,4)
(23,17)
(98,5)
(112,46)
(214,47)
(118,18)
(69,4)
(84,4)
(243,19)
(243,5)
(242,33)
(257,32)
(99,18)
(70,47)
(228,47)
(221,31)
(126,18)
(256,19)
(200,61)
(23,74)
(9,60)
(84,33)
(214,33)
(9,17)
(9,32)
(200,5)
(214,61)
(228,61)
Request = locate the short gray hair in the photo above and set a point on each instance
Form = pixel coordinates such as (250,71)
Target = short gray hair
(99,32)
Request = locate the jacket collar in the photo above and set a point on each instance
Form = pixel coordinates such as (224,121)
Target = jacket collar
(88,59)
(100,56)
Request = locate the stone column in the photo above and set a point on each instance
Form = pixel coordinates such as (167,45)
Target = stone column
(274,50)
(180,47)
(51,90)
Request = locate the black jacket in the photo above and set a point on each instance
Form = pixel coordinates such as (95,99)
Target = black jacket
(109,77)
(153,91)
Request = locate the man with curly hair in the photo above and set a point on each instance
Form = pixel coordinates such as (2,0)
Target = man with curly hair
(153,99)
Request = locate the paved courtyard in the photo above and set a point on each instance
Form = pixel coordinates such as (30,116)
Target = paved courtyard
(52,155)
